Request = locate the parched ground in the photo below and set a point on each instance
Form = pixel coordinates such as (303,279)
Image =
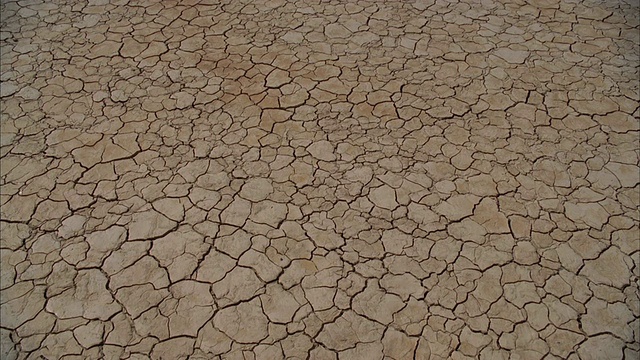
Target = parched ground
(318,180)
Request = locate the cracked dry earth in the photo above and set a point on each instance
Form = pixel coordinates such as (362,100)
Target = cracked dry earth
(320,180)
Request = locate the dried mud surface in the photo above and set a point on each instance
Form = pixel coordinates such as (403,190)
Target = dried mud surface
(319,180)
